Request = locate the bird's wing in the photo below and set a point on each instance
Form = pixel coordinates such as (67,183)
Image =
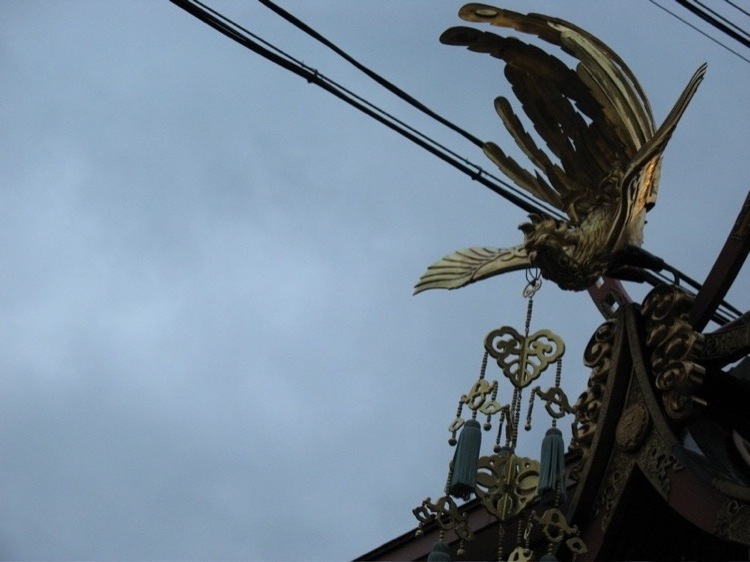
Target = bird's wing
(591,118)
(472,264)
(641,177)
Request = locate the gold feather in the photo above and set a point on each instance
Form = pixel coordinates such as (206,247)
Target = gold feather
(597,124)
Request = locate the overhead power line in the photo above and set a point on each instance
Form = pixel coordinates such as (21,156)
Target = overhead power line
(251,41)
(723,19)
(706,15)
(736,7)
(694,28)
(374,75)
(677,277)
(391,87)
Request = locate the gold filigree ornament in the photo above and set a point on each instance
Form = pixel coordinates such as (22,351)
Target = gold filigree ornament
(598,357)
(445,513)
(602,167)
(523,358)
(673,347)
(733,521)
(521,554)
(481,398)
(506,484)
(633,427)
(555,528)
(556,403)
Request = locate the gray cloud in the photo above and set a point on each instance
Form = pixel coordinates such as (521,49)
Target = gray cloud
(209,345)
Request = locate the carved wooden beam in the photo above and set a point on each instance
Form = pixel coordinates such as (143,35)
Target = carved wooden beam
(609,296)
(725,270)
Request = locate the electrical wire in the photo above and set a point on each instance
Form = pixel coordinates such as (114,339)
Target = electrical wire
(678,278)
(713,22)
(251,41)
(724,313)
(735,6)
(299,24)
(391,87)
(724,20)
(671,13)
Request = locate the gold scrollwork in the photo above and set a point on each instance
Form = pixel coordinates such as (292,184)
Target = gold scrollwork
(598,357)
(555,528)
(633,427)
(733,521)
(456,424)
(476,398)
(523,358)
(609,494)
(576,545)
(521,554)
(554,525)
(445,512)
(656,460)
(506,484)
(556,402)
(673,346)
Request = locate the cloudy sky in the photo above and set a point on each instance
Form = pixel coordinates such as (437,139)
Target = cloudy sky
(208,344)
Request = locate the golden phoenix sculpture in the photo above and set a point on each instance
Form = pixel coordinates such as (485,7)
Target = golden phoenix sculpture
(597,122)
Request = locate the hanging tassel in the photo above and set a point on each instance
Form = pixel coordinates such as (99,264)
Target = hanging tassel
(439,553)
(464,473)
(551,487)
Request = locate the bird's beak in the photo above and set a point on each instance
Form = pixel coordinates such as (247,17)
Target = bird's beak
(535,218)
(528,227)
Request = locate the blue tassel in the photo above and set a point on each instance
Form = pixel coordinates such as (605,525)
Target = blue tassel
(439,553)
(465,460)
(551,487)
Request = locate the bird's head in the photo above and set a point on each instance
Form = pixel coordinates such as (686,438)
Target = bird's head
(545,231)
(551,245)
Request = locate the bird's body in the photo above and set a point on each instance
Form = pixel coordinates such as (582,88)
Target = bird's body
(606,152)
(569,255)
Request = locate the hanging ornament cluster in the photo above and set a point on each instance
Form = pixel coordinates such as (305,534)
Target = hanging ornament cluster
(505,483)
